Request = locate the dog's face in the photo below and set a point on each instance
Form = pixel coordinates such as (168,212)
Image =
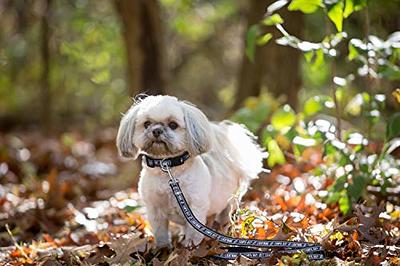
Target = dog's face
(160,129)
(162,126)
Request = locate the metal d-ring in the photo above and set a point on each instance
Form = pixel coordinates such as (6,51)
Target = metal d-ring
(164,165)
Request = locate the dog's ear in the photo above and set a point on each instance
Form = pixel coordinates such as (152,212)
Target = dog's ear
(199,134)
(125,145)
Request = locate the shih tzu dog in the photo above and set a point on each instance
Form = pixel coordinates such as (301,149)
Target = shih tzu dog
(217,161)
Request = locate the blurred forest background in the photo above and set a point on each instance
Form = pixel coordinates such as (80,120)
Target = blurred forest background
(75,64)
(318,81)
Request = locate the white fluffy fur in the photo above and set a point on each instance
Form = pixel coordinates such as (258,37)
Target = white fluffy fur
(223,159)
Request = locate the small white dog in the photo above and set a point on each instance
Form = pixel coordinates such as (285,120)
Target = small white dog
(217,161)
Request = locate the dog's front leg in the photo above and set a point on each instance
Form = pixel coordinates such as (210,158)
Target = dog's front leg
(192,236)
(159,224)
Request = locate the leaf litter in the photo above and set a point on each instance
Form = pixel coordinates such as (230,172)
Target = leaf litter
(59,207)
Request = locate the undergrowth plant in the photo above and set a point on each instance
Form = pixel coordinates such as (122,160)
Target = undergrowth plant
(354,162)
(358,159)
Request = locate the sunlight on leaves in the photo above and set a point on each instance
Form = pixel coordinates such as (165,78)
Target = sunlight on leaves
(315,104)
(283,118)
(393,145)
(344,203)
(264,39)
(273,20)
(335,13)
(276,155)
(306,142)
(305,6)
(340,81)
(276,6)
(352,6)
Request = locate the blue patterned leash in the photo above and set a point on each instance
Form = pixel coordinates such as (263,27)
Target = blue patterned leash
(240,246)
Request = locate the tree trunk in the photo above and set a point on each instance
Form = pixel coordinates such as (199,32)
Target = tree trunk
(250,74)
(143,37)
(271,59)
(283,74)
(45,92)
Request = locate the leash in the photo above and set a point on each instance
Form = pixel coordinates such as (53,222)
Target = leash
(239,246)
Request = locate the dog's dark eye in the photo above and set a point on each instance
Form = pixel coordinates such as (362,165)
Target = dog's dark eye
(173,125)
(147,124)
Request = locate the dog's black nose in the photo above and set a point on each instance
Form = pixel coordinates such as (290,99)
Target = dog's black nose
(157,132)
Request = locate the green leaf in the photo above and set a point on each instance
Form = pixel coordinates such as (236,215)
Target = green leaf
(273,20)
(130,208)
(264,39)
(348,9)
(339,183)
(312,106)
(391,72)
(305,6)
(253,114)
(283,118)
(352,6)
(360,4)
(245,116)
(251,40)
(335,13)
(309,56)
(357,188)
(344,204)
(276,155)
(316,59)
(333,198)
(353,52)
(393,126)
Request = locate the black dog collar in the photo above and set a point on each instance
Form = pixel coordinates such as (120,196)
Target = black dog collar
(171,162)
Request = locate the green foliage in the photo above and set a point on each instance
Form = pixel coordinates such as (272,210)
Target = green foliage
(251,41)
(130,208)
(316,104)
(305,6)
(349,161)
(87,68)
(264,39)
(276,155)
(353,6)
(254,112)
(336,14)
(195,21)
(338,10)
(348,158)
(385,55)
(273,20)
(283,118)
(393,126)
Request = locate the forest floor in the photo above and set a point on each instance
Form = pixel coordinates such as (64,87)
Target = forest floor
(71,201)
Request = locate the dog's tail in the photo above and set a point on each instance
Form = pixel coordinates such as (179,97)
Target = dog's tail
(246,154)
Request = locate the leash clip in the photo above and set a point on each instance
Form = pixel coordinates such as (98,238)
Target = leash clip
(165,167)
